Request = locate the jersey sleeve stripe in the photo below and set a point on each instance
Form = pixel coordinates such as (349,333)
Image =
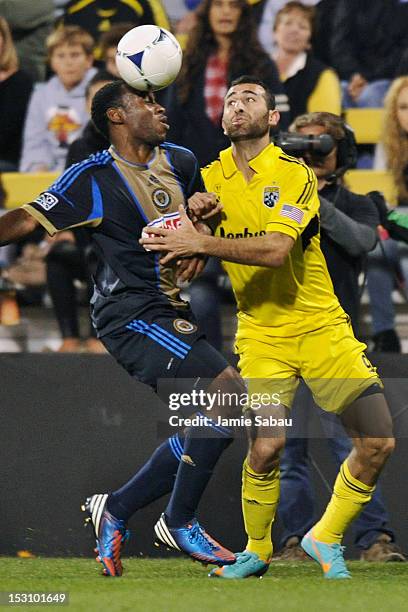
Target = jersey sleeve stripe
(47,225)
(65,181)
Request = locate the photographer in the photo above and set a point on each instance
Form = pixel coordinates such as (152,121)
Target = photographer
(348,233)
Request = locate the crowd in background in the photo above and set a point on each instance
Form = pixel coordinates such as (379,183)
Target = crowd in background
(315,56)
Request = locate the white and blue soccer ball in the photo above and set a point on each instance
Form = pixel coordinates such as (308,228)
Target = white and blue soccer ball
(148,57)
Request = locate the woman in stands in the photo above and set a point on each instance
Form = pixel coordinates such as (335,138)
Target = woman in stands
(15,90)
(222,46)
(310,85)
(388,264)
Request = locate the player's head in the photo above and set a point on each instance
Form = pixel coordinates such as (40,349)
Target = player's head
(342,155)
(249,109)
(121,114)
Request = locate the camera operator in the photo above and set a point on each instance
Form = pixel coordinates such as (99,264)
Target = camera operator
(348,221)
(348,233)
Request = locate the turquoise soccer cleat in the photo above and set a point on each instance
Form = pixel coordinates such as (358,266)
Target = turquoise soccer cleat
(328,556)
(247,564)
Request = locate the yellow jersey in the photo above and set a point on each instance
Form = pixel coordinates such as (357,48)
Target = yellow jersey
(281,197)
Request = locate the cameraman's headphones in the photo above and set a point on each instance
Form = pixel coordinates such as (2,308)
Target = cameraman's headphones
(346,150)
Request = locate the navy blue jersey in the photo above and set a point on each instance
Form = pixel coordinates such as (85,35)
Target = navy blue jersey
(115,199)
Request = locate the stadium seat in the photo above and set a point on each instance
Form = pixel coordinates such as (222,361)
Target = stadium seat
(366,122)
(363,181)
(24,187)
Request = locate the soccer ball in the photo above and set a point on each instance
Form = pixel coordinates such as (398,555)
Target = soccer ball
(148,57)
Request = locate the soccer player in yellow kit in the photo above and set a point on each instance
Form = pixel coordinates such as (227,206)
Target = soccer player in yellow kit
(290,324)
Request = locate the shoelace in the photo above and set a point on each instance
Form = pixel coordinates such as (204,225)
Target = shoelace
(197,533)
(338,559)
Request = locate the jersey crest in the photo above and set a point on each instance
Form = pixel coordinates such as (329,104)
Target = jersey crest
(271,196)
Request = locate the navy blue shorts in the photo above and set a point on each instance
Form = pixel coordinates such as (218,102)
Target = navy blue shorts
(164,346)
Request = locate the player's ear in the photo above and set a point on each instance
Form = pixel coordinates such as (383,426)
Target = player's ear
(115,115)
(223,126)
(274,117)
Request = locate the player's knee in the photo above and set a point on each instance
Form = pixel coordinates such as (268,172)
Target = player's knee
(264,454)
(375,451)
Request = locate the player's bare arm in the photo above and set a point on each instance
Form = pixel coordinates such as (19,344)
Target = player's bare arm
(15,225)
(269,250)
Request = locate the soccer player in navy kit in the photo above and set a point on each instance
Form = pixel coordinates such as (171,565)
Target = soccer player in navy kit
(136,307)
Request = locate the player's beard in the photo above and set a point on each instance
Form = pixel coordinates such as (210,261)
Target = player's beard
(250,132)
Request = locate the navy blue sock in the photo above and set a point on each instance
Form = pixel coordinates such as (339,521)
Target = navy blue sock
(154,479)
(203,447)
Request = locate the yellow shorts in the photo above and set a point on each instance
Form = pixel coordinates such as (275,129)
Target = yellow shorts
(330,360)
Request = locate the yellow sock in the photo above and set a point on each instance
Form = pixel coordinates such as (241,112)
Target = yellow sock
(348,500)
(260,495)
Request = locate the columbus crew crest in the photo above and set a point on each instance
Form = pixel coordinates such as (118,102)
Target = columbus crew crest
(161,199)
(184,327)
(271,196)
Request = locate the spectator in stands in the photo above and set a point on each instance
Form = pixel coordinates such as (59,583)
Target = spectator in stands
(348,233)
(69,257)
(388,264)
(108,43)
(98,16)
(15,90)
(309,84)
(222,45)
(30,22)
(266,24)
(368,39)
(57,110)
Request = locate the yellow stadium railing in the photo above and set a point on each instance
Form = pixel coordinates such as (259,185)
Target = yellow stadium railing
(363,181)
(367,124)
(22,187)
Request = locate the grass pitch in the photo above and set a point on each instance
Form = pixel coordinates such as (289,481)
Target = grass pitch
(167,585)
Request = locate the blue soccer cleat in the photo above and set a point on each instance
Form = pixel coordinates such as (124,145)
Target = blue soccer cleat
(192,540)
(110,534)
(247,564)
(328,556)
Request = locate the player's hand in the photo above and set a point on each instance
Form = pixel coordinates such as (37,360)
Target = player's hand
(203,206)
(179,243)
(189,269)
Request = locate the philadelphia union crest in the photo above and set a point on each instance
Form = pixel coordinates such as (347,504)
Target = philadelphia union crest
(184,327)
(271,196)
(161,198)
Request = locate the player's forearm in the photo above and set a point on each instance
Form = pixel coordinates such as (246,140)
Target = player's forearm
(16,224)
(268,251)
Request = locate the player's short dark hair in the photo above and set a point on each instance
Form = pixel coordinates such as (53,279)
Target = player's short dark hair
(247,78)
(109,96)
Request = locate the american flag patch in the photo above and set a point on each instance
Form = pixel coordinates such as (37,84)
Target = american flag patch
(292,213)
